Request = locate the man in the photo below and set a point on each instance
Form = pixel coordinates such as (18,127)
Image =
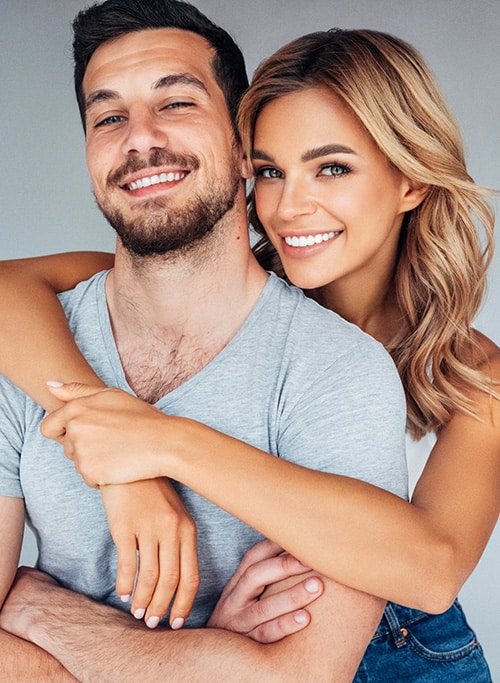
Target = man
(189,321)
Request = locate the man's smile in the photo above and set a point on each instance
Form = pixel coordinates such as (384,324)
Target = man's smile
(155,179)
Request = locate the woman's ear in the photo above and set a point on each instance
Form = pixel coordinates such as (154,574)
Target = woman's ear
(414,195)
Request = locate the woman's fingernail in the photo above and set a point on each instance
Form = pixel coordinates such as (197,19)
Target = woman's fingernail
(312,585)
(125,598)
(300,617)
(52,383)
(139,613)
(177,624)
(152,622)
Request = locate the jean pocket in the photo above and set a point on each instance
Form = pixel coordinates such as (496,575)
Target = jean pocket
(447,651)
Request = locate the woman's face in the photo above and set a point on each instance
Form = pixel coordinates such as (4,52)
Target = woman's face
(330,202)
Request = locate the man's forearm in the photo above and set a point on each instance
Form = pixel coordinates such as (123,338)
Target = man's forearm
(99,643)
(25,662)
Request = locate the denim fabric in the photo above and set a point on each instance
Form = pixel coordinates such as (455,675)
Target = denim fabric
(423,648)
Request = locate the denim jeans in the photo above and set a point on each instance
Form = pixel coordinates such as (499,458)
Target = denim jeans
(423,648)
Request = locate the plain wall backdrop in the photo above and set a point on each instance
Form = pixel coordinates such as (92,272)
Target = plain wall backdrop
(45,196)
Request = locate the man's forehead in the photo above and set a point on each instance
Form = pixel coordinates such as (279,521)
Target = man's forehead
(171,50)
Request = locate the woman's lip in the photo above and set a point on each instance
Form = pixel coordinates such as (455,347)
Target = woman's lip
(304,247)
(309,240)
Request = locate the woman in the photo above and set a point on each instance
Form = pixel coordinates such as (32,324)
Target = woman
(370,210)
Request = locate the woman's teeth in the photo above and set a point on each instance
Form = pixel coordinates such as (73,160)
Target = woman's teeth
(310,240)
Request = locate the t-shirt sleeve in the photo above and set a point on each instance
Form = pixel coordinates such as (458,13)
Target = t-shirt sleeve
(12,418)
(349,418)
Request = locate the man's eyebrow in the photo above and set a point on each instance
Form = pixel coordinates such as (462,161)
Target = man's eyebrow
(310,155)
(100,96)
(163,82)
(183,79)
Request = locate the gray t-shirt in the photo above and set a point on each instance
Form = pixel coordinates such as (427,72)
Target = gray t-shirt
(296,381)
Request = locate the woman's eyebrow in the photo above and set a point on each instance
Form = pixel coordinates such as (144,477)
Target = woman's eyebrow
(325,150)
(262,156)
(310,155)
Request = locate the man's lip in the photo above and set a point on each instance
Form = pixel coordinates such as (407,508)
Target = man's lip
(145,180)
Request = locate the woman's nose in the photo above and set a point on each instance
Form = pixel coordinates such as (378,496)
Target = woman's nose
(295,200)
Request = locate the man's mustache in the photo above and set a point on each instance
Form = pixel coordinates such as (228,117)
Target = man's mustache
(158,157)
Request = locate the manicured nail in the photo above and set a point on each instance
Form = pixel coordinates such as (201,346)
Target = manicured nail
(312,585)
(139,613)
(300,618)
(152,622)
(125,598)
(52,383)
(177,624)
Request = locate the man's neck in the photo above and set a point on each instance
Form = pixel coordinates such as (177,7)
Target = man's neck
(172,316)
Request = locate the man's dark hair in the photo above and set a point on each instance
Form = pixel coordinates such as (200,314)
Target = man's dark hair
(114,18)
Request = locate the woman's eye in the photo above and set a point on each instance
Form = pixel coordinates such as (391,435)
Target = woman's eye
(268,173)
(335,170)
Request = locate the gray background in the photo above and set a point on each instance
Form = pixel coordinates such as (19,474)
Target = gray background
(45,194)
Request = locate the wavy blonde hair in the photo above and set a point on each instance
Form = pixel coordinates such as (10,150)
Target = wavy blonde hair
(441,271)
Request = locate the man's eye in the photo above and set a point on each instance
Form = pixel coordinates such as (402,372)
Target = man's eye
(268,173)
(178,105)
(335,170)
(110,120)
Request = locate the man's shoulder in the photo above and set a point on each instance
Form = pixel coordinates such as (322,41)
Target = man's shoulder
(308,322)
(316,345)
(84,294)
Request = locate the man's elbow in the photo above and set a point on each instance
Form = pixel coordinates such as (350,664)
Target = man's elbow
(280,669)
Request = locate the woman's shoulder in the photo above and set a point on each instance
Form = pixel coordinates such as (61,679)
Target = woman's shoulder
(486,398)
(489,353)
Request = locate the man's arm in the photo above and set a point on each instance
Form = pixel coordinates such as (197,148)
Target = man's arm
(96,642)
(24,662)
(21,661)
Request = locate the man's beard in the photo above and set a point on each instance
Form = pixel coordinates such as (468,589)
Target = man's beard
(159,229)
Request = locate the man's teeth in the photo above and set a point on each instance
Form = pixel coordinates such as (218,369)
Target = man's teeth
(155,180)
(309,240)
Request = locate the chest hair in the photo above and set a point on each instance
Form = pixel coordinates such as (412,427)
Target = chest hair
(155,367)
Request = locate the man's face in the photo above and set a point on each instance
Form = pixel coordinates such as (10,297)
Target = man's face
(160,146)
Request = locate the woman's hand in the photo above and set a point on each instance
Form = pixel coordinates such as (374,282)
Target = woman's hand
(245,607)
(111,436)
(155,539)
(115,439)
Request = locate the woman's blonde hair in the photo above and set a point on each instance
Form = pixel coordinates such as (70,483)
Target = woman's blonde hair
(441,272)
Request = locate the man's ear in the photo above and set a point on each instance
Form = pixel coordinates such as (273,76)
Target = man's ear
(414,194)
(246,169)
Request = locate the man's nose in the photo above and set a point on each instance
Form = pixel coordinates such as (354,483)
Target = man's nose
(144,133)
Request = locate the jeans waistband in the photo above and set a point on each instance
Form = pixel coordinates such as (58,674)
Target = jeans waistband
(395,621)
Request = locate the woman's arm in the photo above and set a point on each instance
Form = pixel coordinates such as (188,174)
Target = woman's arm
(35,341)
(416,554)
